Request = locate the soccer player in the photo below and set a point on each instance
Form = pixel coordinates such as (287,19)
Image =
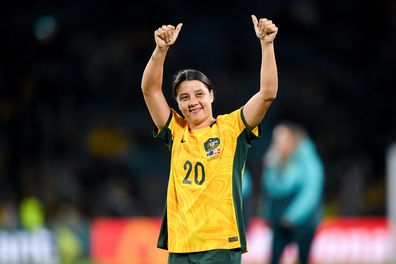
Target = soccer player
(203,220)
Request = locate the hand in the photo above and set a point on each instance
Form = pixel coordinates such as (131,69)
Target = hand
(287,224)
(265,29)
(167,35)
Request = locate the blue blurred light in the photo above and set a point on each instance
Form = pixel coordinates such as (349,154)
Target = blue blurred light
(45,28)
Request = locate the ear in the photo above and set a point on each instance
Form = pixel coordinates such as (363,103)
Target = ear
(211,96)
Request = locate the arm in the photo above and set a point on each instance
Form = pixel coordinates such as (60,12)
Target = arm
(255,109)
(152,75)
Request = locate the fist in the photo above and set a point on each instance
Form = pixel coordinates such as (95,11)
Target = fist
(167,35)
(265,29)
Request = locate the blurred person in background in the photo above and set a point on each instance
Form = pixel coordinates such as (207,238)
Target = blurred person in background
(247,189)
(203,219)
(292,179)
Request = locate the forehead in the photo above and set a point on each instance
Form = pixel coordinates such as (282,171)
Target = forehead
(282,132)
(187,87)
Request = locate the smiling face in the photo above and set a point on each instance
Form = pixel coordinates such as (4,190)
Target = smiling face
(195,103)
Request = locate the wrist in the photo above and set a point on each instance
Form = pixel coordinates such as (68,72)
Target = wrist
(163,49)
(159,51)
(266,44)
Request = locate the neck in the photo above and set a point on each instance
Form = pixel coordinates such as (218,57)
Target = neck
(207,122)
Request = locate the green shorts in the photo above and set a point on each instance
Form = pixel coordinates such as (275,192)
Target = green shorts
(217,256)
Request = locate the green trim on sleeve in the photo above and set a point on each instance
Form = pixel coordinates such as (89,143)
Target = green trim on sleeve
(250,134)
(165,134)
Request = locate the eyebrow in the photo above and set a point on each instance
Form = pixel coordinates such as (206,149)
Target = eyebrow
(198,90)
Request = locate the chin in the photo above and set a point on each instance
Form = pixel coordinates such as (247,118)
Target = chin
(195,119)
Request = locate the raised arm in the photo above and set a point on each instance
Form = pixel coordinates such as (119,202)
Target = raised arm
(255,109)
(151,84)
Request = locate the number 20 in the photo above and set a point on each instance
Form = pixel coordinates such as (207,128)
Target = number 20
(199,167)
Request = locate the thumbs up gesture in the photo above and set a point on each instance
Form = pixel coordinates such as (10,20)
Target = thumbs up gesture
(265,29)
(167,35)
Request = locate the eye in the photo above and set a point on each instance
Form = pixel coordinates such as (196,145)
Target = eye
(183,98)
(199,94)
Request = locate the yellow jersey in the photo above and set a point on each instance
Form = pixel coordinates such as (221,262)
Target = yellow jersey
(204,198)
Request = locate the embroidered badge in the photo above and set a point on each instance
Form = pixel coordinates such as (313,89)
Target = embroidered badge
(212,147)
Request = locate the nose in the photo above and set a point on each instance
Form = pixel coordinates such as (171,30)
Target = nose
(193,101)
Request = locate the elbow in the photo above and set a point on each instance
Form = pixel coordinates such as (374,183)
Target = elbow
(145,89)
(269,96)
(145,86)
(269,92)
(149,88)
(149,92)
(142,86)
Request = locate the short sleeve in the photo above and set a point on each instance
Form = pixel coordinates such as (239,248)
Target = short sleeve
(166,134)
(251,133)
(237,123)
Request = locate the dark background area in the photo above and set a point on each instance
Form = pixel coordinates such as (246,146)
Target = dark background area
(75,132)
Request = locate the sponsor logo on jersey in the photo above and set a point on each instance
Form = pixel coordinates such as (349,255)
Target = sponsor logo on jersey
(233,239)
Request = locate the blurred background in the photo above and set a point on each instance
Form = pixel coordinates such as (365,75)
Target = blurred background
(76,138)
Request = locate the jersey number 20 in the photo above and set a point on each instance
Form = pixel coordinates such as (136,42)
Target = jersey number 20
(199,172)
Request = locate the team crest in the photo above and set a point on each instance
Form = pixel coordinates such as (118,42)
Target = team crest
(212,146)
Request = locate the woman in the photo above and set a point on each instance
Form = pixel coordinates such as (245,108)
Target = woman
(293,183)
(203,220)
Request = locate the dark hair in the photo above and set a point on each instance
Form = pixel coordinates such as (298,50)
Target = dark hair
(190,75)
